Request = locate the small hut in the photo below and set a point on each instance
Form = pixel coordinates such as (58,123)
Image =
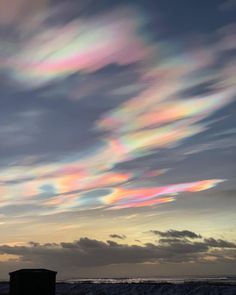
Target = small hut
(32,282)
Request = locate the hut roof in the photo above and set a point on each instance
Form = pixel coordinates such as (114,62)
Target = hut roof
(35,270)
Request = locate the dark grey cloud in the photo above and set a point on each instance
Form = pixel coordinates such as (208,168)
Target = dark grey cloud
(219,243)
(87,252)
(138,241)
(169,240)
(176,234)
(116,236)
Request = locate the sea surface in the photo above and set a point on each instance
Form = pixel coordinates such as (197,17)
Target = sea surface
(144,286)
(174,280)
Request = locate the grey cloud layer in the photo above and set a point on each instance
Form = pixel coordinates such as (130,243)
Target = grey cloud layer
(116,236)
(176,234)
(87,252)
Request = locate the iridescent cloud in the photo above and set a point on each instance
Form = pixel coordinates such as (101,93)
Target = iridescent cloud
(140,197)
(68,187)
(79,46)
(158,117)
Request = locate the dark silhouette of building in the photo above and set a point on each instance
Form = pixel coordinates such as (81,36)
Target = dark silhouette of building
(32,282)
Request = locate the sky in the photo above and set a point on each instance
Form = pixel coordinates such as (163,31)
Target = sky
(117,137)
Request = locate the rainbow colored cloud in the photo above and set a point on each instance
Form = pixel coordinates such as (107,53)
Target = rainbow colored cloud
(158,117)
(78,46)
(122,198)
(66,186)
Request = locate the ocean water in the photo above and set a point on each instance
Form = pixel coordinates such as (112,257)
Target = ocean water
(151,280)
(150,286)
(144,286)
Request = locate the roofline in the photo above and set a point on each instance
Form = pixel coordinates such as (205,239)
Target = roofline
(31,270)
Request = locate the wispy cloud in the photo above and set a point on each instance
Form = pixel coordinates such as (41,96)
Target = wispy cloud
(157,110)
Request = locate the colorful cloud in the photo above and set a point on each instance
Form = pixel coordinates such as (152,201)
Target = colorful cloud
(78,46)
(128,198)
(155,114)
(68,187)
